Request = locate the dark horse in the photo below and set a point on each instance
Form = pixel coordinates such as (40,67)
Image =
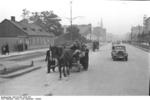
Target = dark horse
(64,57)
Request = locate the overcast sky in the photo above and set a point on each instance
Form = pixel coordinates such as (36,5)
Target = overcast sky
(118,16)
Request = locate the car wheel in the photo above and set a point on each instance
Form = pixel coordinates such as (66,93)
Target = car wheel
(126,58)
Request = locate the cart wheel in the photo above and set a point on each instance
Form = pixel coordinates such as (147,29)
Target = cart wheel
(53,69)
(114,59)
(126,58)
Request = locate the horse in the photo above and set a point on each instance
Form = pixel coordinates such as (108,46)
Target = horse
(65,58)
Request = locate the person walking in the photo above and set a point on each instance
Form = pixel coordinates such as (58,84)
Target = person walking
(7,48)
(50,60)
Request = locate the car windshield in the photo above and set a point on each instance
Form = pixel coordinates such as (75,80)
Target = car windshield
(120,48)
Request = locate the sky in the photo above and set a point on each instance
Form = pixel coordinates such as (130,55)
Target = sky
(118,16)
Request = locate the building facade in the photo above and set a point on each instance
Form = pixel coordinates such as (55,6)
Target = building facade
(136,31)
(100,32)
(85,29)
(146,29)
(23,33)
(146,25)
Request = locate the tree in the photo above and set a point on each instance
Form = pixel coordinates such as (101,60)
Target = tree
(51,22)
(45,19)
(36,18)
(73,30)
(25,13)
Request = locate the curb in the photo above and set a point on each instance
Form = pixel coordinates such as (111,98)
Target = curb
(6,70)
(147,50)
(19,73)
(22,53)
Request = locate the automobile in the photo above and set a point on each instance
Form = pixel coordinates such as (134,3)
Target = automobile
(119,52)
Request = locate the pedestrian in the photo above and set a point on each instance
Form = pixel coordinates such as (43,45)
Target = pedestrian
(26,46)
(85,59)
(50,60)
(94,46)
(3,49)
(7,48)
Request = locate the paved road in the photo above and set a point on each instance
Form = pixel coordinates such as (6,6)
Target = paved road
(104,77)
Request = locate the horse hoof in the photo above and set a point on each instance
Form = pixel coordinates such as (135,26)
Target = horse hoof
(53,69)
(65,75)
(59,79)
(68,73)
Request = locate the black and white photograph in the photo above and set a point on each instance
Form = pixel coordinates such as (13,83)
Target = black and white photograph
(74,48)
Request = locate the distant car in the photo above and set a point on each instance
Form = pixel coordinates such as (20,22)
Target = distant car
(119,52)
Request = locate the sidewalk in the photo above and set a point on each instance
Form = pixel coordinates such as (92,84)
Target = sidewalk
(11,69)
(22,53)
(18,71)
(140,47)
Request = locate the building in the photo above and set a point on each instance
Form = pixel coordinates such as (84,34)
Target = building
(109,37)
(146,25)
(92,37)
(100,32)
(141,33)
(135,31)
(85,29)
(146,30)
(15,33)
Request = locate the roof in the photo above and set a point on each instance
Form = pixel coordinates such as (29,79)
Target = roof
(31,29)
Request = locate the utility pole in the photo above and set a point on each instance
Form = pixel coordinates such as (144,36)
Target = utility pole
(138,33)
(131,35)
(71,19)
(91,32)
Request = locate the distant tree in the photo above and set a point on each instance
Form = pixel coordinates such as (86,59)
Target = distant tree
(73,32)
(36,18)
(25,13)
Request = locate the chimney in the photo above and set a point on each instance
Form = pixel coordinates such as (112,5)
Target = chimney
(13,18)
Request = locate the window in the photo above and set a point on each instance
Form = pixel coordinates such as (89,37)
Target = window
(30,41)
(24,28)
(32,29)
(40,30)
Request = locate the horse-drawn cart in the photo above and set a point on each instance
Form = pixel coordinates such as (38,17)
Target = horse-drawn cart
(66,58)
